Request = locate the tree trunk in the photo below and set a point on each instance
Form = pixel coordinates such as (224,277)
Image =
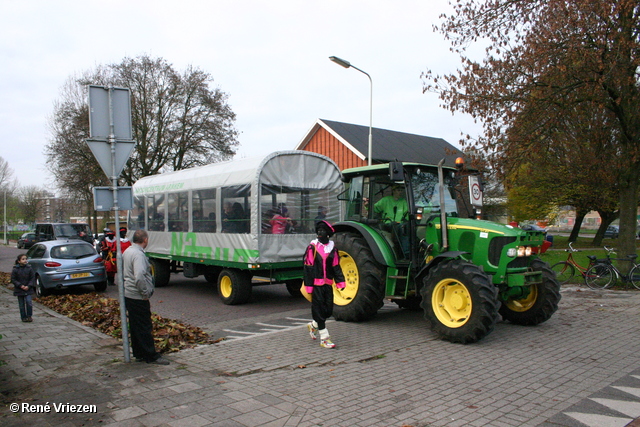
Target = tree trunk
(607,218)
(628,216)
(580,214)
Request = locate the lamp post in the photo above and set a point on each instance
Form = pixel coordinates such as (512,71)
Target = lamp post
(347,64)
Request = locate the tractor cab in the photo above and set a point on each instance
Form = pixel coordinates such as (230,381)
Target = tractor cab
(399,201)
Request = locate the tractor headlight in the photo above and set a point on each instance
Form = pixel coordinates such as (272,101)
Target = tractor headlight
(519,251)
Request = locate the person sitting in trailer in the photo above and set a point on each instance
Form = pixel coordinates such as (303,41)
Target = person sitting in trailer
(281,222)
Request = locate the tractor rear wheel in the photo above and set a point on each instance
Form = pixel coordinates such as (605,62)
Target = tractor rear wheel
(541,302)
(459,301)
(364,291)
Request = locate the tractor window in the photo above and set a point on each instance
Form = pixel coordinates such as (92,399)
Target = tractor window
(426,193)
(356,203)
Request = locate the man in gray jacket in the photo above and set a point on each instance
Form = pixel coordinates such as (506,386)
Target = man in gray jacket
(138,288)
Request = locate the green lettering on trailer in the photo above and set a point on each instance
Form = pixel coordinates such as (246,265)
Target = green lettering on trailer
(176,244)
(186,244)
(194,250)
(245,253)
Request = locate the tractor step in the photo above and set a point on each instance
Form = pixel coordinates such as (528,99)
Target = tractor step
(398,277)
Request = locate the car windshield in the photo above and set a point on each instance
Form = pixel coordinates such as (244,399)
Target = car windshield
(426,192)
(71,230)
(72,251)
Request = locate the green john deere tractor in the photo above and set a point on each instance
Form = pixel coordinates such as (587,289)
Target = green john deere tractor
(393,245)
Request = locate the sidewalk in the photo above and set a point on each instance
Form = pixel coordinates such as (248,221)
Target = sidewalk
(390,371)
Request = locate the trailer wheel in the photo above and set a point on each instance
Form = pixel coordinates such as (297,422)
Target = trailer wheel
(459,302)
(161,271)
(364,291)
(541,303)
(212,273)
(234,286)
(293,287)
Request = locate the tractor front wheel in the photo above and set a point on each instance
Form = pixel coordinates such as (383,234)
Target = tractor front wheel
(364,291)
(541,302)
(459,302)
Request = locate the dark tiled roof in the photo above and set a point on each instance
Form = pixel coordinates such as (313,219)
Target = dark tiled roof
(390,145)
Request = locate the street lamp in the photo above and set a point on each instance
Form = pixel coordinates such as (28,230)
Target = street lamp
(347,64)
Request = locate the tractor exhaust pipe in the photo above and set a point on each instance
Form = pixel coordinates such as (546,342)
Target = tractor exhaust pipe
(443,213)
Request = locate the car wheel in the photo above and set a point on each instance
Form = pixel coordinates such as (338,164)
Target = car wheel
(100,286)
(41,291)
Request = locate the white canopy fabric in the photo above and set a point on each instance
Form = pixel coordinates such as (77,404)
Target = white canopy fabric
(293,169)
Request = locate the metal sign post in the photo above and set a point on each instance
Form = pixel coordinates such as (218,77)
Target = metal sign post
(111,143)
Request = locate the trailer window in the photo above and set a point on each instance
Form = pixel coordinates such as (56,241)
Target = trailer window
(156,212)
(235,209)
(136,216)
(178,211)
(204,210)
(294,210)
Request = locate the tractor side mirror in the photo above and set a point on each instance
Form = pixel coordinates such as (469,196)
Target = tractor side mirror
(396,172)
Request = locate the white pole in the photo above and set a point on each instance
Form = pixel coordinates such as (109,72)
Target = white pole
(119,271)
(6,242)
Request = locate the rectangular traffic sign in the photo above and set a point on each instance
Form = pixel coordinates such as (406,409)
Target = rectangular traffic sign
(103,198)
(109,106)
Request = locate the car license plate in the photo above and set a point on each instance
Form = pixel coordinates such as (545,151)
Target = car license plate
(79,275)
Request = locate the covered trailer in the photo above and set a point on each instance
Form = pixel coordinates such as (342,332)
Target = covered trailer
(234,220)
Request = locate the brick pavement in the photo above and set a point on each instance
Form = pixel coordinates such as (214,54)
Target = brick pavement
(390,371)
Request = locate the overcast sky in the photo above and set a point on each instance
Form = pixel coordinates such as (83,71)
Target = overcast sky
(270,57)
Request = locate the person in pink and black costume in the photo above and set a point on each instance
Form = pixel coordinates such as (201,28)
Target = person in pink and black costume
(321,270)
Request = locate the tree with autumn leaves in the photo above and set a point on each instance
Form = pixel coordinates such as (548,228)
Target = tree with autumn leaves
(557,94)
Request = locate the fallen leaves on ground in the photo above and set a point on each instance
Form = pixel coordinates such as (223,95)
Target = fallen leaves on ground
(103,313)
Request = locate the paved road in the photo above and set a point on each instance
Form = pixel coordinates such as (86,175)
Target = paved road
(581,368)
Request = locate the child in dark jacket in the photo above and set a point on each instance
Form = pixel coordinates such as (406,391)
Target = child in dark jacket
(321,270)
(24,284)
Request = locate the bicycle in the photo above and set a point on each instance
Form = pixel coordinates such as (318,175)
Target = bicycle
(566,270)
(605,275)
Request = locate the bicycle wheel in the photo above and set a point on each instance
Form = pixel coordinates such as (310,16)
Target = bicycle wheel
(564,271)
(600,276)
(634,276)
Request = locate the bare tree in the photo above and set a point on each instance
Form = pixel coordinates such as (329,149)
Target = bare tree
(30,200)
(7,181)
(178,122)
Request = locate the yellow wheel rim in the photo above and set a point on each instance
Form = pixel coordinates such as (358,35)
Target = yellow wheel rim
(226,286)
(351,278)
(451,302)
(524,304)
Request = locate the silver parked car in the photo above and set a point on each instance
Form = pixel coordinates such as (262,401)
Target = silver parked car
(62,263)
